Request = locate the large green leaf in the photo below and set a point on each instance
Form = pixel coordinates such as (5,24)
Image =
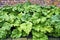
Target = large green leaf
(11,18)
(17,22)
(2,33)
(26,27)
(39,36)
(6,26)
(16,34)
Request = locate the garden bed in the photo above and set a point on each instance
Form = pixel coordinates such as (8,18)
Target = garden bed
(26,21)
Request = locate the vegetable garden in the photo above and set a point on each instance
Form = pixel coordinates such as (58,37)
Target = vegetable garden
(26,19)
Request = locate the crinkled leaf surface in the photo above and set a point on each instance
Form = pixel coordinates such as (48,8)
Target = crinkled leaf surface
(26,27)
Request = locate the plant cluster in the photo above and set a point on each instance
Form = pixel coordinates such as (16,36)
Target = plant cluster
(22,19)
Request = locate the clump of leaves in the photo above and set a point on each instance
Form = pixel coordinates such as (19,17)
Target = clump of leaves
(22,19)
